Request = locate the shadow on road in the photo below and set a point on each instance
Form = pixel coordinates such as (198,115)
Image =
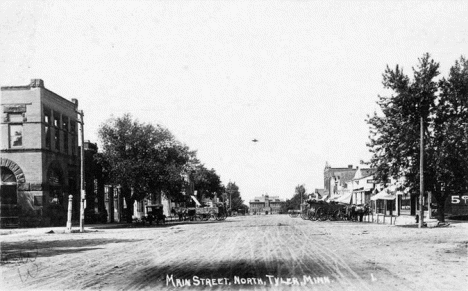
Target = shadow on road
(29,250)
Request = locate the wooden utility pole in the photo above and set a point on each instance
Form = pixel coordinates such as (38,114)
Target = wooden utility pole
(421,177)
(82,184)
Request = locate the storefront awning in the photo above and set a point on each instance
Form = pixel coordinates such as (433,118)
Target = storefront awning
(362,189)
(388,193)
(345,198)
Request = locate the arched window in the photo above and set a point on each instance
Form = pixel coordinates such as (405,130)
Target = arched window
(8,187)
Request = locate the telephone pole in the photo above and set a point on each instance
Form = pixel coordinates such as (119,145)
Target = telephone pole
(82,183)
(421,177)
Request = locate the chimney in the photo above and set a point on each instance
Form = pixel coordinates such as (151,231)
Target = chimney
(350,166)
(76,102)
(36,83)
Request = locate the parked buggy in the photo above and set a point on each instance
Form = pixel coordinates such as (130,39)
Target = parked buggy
(294,213)
(154,213)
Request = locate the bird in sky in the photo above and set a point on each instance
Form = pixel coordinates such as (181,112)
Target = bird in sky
(254,140)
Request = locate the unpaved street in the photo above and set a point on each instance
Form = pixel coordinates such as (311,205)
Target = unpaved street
(241,253)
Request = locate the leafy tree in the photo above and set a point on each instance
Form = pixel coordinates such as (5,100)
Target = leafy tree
(234,195)
(143,159)
(449,145)
(295,202)
(395,136)
(206,182)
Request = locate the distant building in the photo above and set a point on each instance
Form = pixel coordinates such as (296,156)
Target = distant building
(40,162)
(266,205)
(337,181)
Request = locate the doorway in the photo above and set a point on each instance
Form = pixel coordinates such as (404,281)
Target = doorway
(8,199)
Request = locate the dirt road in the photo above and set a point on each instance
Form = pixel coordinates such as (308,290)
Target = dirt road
(241,253)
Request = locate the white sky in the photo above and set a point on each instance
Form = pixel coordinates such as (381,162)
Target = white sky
(299,76)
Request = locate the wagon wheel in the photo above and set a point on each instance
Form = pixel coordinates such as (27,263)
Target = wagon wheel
(316,217)
(341,215)
(304,214)
(212,216)
(311,215)
(333,215)
(291,214)
(321,214)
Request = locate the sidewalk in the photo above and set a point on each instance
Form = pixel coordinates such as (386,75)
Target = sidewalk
(54,229)
(92,227)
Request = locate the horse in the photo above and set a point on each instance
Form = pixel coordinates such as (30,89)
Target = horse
(359,211)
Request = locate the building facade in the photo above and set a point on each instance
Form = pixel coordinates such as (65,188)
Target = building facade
(337,181)
(40,162)
(362,186)
(266,205)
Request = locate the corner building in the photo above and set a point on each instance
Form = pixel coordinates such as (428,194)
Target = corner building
(40,163)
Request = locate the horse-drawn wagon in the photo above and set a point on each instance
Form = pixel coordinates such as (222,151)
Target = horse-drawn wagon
(217,212)
(314,209)
(323,210)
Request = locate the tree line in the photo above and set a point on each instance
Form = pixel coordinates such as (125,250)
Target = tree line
(145,160)
(294,203)
(442,105)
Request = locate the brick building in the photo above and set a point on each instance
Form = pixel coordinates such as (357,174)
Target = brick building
(40,163)
(266,205)
(337,181)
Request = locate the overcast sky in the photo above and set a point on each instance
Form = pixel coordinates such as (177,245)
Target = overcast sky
(298,76)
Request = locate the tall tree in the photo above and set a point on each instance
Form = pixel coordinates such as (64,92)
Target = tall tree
(295,202)
(449,147)
(395,136)
(143,159)
(234,195)
(206,182)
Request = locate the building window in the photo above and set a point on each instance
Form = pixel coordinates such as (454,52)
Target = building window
(65,134)
(47,127)
(57,131)
(56,120)
(57,139)
(16,135)
(73,137)
(65,123)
